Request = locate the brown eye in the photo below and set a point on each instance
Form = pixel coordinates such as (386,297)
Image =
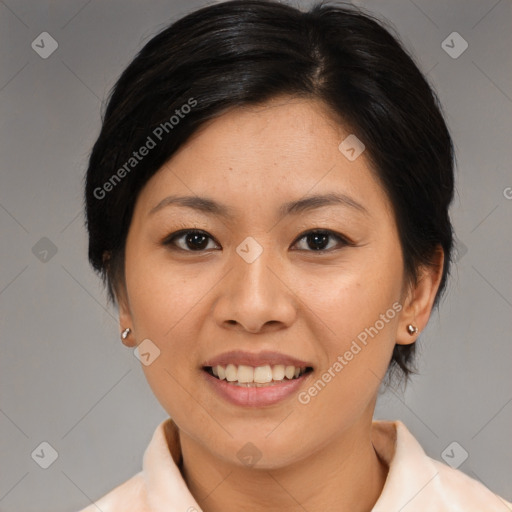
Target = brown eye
(194,240)
(318,240)
(189,240)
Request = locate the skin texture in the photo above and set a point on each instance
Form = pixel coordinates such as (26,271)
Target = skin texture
(293,299)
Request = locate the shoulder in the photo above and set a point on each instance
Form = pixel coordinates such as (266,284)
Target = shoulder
(418,483)
(455,487)
(129,496)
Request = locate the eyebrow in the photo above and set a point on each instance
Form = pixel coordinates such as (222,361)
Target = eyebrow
(308,203)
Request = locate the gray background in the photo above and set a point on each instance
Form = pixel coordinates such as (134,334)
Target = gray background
(66,378)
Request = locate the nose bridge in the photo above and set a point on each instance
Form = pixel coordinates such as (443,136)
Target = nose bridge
(253,263)
(255,294)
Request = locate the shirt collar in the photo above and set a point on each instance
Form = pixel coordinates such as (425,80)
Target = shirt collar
(167,491)
(412,477)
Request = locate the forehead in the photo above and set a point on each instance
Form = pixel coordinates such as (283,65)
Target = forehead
(272,153)
(284,127)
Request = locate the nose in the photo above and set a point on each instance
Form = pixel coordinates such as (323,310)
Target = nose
(255,297)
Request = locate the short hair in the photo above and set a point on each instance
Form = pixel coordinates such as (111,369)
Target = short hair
(246,52)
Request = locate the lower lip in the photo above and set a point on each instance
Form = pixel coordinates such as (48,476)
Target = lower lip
(253,396)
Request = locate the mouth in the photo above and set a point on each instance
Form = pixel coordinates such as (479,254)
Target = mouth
(261,379)
(257,376)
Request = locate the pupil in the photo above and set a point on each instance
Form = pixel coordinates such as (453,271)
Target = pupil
(316,236)
(192,239)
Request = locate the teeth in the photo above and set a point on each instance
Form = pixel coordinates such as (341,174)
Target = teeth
(244,374)
(289,371)
(278,372)
(231,373)
(262,374)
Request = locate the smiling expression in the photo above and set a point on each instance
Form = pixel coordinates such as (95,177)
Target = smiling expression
(295,252)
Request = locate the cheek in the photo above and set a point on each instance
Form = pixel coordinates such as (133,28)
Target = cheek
(356,311)
(162,303)
(361,318)
(161,295)
(348,299)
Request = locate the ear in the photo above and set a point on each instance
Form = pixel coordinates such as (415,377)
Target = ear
(125,317)
(419,299)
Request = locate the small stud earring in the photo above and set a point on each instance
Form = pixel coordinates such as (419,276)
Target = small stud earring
(412,329)
(125,333)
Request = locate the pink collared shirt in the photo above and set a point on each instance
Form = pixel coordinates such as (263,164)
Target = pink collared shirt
(415,482)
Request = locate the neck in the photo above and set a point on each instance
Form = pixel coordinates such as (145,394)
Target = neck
(345,474)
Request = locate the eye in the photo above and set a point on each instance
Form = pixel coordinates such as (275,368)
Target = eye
(194,240)
(318,239)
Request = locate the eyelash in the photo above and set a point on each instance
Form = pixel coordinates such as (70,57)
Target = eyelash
(170,239)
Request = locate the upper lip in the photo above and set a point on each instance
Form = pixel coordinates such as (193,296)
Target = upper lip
(238,357)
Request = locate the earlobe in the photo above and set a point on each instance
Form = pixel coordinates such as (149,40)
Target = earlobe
(420,300)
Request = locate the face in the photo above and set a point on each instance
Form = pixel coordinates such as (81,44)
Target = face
(320,282)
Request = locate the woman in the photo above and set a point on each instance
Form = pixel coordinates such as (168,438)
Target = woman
(267,203)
